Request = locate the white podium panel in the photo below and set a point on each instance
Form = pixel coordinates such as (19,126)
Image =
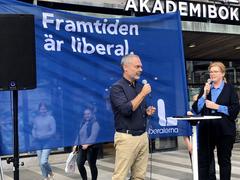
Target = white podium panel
(193,121)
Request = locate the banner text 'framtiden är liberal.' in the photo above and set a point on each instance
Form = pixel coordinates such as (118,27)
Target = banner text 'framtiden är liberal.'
(81,44)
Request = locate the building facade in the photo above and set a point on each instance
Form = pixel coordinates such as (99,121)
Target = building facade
(210,30)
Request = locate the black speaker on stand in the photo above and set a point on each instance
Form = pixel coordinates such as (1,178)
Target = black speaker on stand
(17,66)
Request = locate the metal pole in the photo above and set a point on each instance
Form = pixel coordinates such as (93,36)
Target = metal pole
(194,152)
(1,169)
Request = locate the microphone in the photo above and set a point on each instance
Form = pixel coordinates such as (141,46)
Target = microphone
(144,81)
(209,81)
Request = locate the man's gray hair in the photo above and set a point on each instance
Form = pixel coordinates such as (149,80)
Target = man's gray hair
(126,59)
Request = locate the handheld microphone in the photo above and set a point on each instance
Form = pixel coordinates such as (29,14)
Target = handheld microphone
(209,81)
(144,81)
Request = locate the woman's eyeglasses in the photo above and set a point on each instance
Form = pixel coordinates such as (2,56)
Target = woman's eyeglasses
(214,72)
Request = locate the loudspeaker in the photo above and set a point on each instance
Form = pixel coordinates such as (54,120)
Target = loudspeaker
(17,52)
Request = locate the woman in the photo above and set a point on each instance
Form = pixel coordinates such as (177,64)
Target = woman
(44,127)
(88,132)
(216,98)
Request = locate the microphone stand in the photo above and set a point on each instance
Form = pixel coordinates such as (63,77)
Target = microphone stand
(144,81)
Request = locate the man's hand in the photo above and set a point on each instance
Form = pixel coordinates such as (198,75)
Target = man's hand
(211,105)
(150,110)
(146,89)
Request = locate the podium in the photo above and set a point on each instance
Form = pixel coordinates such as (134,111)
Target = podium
(194,121)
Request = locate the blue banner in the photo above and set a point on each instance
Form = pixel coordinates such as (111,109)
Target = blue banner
(78,58)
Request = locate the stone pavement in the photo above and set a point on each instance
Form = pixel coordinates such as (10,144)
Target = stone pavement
(171,165)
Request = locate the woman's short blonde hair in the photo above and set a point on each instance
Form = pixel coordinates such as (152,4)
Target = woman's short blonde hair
(218,64)
(221,67)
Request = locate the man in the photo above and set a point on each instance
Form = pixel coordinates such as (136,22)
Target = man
(127,98)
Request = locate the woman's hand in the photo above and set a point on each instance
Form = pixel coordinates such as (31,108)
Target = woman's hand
(211,105)
(189,147)
(188,144)
(85,146)
(74,149)
(189,113)
(206,89)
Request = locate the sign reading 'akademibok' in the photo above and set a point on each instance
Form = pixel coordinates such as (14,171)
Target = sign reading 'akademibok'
(187,8)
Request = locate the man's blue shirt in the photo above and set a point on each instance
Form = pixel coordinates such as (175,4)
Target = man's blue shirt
(121,95)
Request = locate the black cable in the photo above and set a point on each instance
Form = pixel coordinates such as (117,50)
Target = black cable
(150,147)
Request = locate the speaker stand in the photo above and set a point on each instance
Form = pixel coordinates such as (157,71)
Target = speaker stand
(15,158)
(15,135)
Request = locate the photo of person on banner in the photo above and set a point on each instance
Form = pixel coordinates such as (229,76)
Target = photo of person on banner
(87,150)
(219,98)
(44,129)
(131,143)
